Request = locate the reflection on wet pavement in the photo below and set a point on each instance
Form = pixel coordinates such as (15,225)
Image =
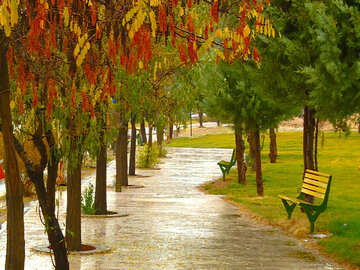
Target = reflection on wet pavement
(172,225)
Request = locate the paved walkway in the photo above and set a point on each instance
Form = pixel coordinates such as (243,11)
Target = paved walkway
(172,225)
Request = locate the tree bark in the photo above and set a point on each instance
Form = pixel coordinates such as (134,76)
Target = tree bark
(159,137)
(305,126)
(201,118)
(100,188)
(133,145)
(171,129)
(121,156)
(46,196)
(15,249)
(143,131)
(55,234)
(308,138)
(241,166)
(252,146)
(273,147)
(259,181)
(316,144)
(73,209)
(310,130)
(150,135)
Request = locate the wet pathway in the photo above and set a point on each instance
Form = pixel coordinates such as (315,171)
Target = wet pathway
(172,225)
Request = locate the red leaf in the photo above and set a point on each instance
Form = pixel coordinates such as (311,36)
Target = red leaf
(214,11)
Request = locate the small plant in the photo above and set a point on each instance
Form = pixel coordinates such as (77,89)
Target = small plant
(162,153)
(87,201)
(147,157)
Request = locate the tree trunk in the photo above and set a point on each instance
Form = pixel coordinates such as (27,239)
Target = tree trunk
(259,181)
(273,147)
(171,129)
(150,135)
(305,126)
(55,234)
(100,188)
(251,141)
(143,131)
(218,123)
(309,130)
(121,156)
(46,196)
(159,137)
(133,145)
(15,249)
(201,118)
(73,209)
(241,166)
(316,144)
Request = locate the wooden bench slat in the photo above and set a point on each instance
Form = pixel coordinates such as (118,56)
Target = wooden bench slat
(293,200)
(315,183)
(312,193)
(315,188)
(318,173)
(316,177)
(223,162)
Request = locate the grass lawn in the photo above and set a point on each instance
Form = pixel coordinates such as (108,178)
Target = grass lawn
(338,156)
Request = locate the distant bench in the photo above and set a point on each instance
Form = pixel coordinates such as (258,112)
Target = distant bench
(225,166)
(315,184)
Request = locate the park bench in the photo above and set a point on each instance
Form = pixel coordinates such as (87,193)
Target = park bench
(225,166)
(317,185)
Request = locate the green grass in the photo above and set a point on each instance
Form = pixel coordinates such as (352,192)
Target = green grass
(338,155)
(214,141)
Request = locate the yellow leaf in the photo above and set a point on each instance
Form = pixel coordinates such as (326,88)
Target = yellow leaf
(14,13)
(7,30)
(66,16)
(141,65)
(246,31)
(226,33)
(194,46)
(181,12)
(12,105)
(219,33)
(155,68)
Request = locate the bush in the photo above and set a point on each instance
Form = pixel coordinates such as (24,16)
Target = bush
(147,157)
(87,201)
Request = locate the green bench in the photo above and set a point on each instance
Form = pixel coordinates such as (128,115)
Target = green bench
(317,185)
(225,166)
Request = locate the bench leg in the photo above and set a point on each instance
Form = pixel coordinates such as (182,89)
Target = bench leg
(223,171)
(312,217)
(289,208)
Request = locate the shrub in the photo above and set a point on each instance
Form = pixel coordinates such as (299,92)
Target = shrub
(147,157)
(87,201)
